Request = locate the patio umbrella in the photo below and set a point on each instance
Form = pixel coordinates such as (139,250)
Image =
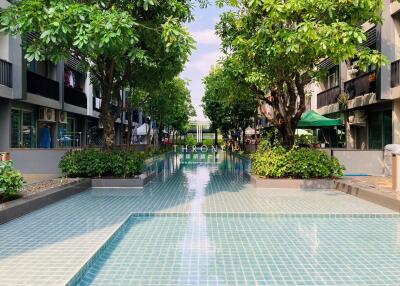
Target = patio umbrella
(312,119)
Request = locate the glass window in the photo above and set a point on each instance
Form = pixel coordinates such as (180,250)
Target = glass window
(379,129)
(375,130)
(15,128)
(333,76)
(23,129)
(387,128)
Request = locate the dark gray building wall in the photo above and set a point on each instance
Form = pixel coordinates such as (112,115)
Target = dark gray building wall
(18,68)
(5,124)
(37,161)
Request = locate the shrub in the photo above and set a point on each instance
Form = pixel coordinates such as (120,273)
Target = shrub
(11,181)
(89,163)
(211,142)
(190,141)
(304,163)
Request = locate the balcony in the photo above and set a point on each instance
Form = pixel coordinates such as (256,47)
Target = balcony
(395,74)
(75,97)
(5,73)
(38,84)
(328,96)
(361,85)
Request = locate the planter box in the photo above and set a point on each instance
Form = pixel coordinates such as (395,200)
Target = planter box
(138,182)
(266,183)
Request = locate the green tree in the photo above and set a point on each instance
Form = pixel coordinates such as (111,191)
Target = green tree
(276,47)
(107,36)
(169,104)
(228,101)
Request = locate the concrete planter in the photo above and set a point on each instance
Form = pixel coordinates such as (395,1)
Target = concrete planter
(138,182)
(264,183)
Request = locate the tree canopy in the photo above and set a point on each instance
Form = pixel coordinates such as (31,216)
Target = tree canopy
(228,102)
(169,104)
(113,39)
(276,46)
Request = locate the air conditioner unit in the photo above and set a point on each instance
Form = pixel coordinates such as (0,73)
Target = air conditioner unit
(358,117)
(62,117)
(47,114)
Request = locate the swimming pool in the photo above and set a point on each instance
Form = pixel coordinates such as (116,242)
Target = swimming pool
(247,248)
(201,223)
(250,250)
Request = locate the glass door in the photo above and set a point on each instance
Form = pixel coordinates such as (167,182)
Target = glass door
(23,129)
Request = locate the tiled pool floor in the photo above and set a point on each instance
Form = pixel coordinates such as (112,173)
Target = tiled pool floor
(49,246)
(226,250)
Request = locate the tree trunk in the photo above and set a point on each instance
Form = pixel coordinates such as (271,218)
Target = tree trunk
(216,137)
(107,120)
(244,138)
(288,135)
(130,125)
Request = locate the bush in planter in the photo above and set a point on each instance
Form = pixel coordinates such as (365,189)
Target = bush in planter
(11,181)
(84,163)
(125,163)
(89,163)
(302,163)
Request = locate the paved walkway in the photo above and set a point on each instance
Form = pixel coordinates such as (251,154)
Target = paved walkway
(49,246)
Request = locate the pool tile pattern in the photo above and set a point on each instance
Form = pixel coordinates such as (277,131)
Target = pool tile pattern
(263,250)
(50,246)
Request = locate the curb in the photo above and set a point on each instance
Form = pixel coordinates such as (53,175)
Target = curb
(17,208)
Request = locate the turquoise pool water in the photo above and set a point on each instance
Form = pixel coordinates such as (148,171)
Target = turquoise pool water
(294,244)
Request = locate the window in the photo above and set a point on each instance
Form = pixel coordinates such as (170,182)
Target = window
(379,129)
(23,129)
(333,77)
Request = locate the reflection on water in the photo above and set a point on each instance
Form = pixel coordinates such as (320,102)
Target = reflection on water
(199,248)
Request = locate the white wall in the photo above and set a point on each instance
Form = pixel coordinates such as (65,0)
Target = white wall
(4,47)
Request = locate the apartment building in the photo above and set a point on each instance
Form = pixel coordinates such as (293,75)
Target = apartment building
(45,105)
(368,102)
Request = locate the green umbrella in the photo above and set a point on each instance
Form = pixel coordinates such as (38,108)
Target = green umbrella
(312,119)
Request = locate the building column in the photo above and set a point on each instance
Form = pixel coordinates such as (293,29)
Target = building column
(386,44)
(396,121)
(18,61)
(60,80)
(5,124)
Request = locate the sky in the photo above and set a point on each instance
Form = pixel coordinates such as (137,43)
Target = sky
(206,54)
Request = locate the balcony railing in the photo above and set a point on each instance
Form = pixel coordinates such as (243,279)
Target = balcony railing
(361,85)
(38,84)
(395,74)
(328,96)
(5,73)
(75,97)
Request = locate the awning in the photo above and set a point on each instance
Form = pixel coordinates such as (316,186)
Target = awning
(312,119)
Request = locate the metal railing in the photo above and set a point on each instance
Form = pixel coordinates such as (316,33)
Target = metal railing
(395,74)
(38,84)
(5,73)
(70,140)
(75,97)
(327,97)
(361,85)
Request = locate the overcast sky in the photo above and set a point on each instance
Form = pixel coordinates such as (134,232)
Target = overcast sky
(206,54)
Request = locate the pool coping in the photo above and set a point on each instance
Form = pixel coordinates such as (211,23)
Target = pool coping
(139,182)
(390,200)
(83,268)
(267,183)
(25,205)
